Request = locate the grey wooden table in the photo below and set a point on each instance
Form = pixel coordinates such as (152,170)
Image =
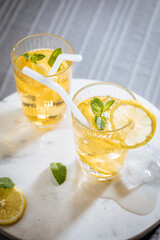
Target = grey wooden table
(119,41)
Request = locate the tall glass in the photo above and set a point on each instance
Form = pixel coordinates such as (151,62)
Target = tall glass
(101,153)
(41,105)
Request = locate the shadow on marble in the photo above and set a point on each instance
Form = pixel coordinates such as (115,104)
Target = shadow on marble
(67,202)
(6,236)
(17,133)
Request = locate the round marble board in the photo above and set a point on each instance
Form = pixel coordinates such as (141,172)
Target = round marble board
(53,211)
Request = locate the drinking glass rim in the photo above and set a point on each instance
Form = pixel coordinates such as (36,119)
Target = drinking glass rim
(40,34)
(102,83)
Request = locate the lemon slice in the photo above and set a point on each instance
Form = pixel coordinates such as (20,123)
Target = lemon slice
(41,67)
(63,66)
(12,205)
(143,122)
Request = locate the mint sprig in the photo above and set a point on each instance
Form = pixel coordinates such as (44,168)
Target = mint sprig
(54,56)
(6,183)
(98,109)
(59,172)
(34,58)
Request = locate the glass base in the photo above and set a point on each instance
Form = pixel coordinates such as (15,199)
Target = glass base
(42,125)
(45,126)
(94,174)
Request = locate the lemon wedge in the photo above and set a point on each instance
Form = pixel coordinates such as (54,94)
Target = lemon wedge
(12,205)
(142,122)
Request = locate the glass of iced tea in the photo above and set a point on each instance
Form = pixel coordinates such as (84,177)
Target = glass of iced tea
(41,105)
(100,148)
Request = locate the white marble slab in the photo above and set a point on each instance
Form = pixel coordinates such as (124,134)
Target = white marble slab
(52,211)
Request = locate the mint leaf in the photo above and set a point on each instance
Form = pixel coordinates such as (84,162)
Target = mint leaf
(6,183)
(33,59)
(97,106)
(100,122)
(54,56)
(59,171)
(107,105)
(36,57)
(27,56)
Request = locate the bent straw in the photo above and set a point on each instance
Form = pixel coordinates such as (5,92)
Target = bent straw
(48,81)
(61,57)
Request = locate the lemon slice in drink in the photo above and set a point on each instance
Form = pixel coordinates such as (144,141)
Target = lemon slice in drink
(41,67)
(12,205)
(143,122)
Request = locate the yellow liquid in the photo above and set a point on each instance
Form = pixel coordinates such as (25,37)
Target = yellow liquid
(99,150)
(41,105)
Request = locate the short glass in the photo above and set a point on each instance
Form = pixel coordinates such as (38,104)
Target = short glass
(41,105)
(101,153)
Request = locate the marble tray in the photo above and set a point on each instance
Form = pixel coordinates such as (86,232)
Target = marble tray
(52,211)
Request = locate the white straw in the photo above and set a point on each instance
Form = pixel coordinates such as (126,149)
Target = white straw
(49,82)
(61,57)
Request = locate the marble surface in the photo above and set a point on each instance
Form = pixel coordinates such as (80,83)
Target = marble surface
(66,211)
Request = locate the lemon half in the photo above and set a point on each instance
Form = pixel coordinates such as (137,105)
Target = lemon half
(143,122)
(12,205)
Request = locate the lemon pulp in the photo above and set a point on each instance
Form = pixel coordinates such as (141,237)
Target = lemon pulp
(12,205)
(143,122)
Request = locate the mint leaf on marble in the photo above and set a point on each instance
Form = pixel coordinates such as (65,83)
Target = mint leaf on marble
(59,172)
(6,183)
